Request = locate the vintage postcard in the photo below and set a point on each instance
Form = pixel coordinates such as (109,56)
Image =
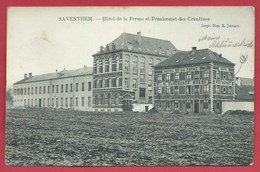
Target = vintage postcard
(130,86)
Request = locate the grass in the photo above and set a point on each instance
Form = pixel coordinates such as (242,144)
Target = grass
(71,138)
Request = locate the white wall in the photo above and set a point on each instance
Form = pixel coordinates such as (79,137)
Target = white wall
(249,106)
(141,107)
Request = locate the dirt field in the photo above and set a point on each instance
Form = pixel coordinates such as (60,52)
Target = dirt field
(57,138)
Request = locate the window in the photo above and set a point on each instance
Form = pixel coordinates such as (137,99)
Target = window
(142,92)
(48,102)
(135,68)
(188,105)
(100,67)
(32,91)
(61,102)
(134,83)
(205,88)
(176,105)
(217,89)
(35,90)
(77,86)
(48,89)
(188,90)
(31,102)
(224,89)
(77,102)
(107,66)
(44,89)
(150,72)
(57,88)
(57,102)
(43,102)
(89,101)
(66,101)
(150,85)
(159,77)
(82,87)
(197,75)
(89,86)
(176,89)
(176,76)
(159,90)
(167,90)
(25,91)
(127,83)
(188,76)
(35,102)
(206,74)
(142,65)
(52,102)
(120,82)
(113,82)
(168,77)
(71,102)
(53,88)
(66,89)
(113,65)
(40,90)
(82,101)
(28,91)
(100,85)
(61,90)
(142,78)
(71,87)
(205,105)
(217,74)
(127,66)
(24,102)
(224,77)
(107,83)
(168,105)
(196,89)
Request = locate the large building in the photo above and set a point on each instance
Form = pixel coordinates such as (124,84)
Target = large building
(67,89)
(193,81)
(123,73)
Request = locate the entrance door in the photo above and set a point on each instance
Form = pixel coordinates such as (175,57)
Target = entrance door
(196,106)
(40,103)
(146,108)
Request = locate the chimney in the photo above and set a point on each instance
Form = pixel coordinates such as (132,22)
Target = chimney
(25,75)
(84,66)
(30,75)
(56,70)
(101,48)
(107,48)
(220,55)
(139,38)
(194,49)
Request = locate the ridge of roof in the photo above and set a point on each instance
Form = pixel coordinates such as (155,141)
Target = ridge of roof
(57,75)
(193,57)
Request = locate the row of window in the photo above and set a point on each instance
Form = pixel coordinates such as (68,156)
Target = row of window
(53,89)
(183,105)
(57,102)
(192,75)
(193,89)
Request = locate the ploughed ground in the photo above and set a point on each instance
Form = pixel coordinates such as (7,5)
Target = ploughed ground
(36,137)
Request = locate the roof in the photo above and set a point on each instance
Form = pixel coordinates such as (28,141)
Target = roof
(244,92)
(129,42)
(193,57)
(246,81)
(57,75)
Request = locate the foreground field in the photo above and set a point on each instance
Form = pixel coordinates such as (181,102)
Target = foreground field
(43,137)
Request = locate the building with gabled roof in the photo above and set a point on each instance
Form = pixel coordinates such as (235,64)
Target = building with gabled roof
(123,73)
(194,81)
(66,89)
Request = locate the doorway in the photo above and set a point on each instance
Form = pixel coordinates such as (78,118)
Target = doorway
(196,106)
(40,103)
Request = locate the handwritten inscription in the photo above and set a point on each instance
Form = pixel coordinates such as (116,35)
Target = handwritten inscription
(219,42)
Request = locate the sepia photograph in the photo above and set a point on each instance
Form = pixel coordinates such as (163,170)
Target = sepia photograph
(130,86)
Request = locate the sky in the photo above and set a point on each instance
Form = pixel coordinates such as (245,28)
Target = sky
(41,39)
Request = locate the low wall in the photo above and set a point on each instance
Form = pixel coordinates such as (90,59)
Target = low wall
(249,106)
(141,107)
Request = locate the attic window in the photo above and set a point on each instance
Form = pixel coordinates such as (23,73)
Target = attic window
(191,59)
(177,61)
(203,57)
(139,48)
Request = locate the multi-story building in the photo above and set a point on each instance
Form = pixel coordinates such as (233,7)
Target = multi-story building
(67,89)
(194,81)
(123,73)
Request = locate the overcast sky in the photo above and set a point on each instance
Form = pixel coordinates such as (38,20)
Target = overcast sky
(38,42)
